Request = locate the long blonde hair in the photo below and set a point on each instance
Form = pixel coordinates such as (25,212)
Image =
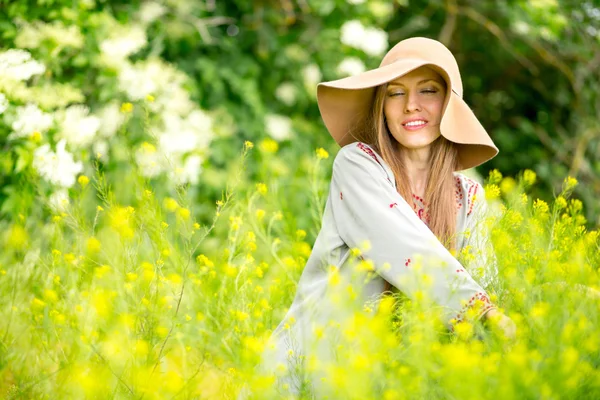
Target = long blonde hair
(440,190)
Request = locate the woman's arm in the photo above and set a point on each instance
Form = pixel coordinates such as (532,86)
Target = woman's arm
(366,206)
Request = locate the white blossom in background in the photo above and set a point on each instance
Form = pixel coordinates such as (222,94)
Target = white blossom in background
(18,65)
(123,42)
(184,135)
(311,75)
(111,119)
(279,127)
(33,35)
(77,126)
(30,119)
(351,66)
(372,41)
(173,98)
(188,171)
(150,161)
(59,200)
(521,27)
(100,149)
(375,42)
(3,103)
(58,168)
(150,11)
(137,82)
(356,1)
(286,93)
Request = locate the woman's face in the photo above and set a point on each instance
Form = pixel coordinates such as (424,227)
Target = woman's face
(413,107)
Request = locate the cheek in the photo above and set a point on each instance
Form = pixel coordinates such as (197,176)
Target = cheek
(391,110)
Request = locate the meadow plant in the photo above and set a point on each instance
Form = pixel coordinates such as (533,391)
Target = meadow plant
(139,300)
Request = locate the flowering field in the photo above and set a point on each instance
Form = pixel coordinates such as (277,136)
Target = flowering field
(163,176)
(138,300)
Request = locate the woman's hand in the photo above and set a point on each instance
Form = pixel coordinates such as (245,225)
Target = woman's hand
(498,321)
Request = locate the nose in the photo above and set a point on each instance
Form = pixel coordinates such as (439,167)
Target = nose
(412,103)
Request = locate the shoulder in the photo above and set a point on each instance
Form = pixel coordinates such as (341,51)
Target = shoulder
(359,152)
(469,192)
(360,155)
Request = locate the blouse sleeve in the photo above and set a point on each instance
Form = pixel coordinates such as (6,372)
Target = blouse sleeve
(367,207)
(482,265)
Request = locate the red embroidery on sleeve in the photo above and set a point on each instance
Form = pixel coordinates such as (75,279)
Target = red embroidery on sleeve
(393,204)
(368,150)
(341,196)
(458,193)
(407,262)
(472,187)
(420,208)
(484,305)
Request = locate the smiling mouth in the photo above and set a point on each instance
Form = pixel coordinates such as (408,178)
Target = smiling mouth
(414,125)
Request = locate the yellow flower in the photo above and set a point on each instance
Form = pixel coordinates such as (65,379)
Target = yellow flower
(196,226)
(560,202)
(83,180)
(148,147)
(170,204)
(248,144)
(70,258)
(260,214)
(268,146)
(529,177)
(540,206)
(126,107)
(241,315)
(524,199)
(235,223)
(36,136)
(99,208)
(334,276)
(492,192)
(184,213)
(322,154)
(576,205)
(37,303)
(300,234)
(50,295)
(495,177)
(540,310)
(93,245)
(150,98)
(261,188)
(570,183)
(17,237)
(507,185)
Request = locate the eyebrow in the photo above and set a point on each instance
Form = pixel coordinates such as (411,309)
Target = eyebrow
(418,83)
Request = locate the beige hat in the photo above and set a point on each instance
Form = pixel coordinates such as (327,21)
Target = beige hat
(345,103)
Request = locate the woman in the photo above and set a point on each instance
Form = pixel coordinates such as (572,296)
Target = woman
(404,131)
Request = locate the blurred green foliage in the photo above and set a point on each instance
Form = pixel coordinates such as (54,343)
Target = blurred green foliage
(530,71)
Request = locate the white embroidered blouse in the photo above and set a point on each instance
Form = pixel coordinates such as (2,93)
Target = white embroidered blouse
(363,205)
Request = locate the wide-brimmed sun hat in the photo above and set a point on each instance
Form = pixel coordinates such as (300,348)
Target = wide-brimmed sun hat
(345,104)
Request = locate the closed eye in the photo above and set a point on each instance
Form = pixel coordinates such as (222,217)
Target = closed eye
(427,91)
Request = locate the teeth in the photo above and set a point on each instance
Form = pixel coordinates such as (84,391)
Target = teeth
(415,123)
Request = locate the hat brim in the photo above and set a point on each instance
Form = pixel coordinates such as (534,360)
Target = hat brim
(345,105)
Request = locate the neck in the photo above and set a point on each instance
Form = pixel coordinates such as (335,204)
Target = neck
(417,165)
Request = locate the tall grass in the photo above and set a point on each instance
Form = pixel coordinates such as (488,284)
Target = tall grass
(140,301)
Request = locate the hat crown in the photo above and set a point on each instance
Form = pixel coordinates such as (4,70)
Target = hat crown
(429,50)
